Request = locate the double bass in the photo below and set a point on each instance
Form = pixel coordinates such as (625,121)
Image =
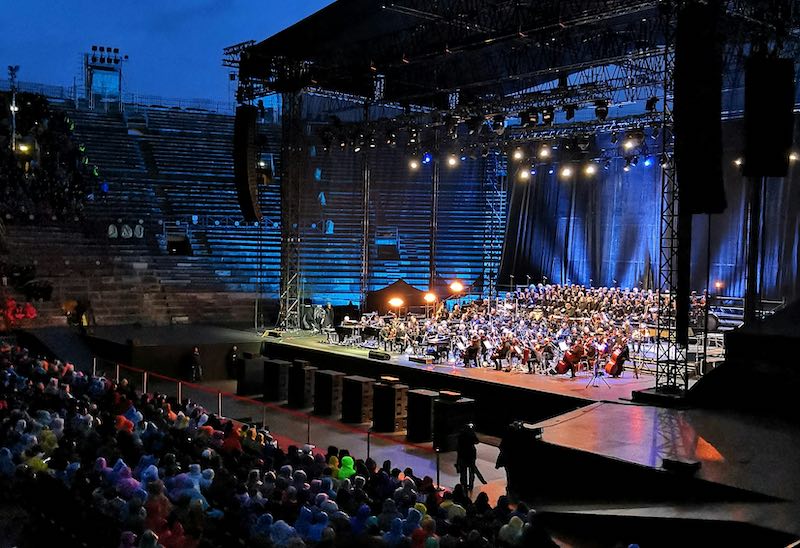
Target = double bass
(616,363)
(570,359)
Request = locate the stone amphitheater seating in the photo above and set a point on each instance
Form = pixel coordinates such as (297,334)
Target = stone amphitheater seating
(163,167)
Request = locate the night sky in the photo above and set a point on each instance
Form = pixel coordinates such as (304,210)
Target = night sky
(175,46)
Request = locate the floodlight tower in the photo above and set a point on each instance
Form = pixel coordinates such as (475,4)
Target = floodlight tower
(12,76)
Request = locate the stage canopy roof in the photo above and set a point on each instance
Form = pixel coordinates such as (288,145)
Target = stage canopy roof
(422,51)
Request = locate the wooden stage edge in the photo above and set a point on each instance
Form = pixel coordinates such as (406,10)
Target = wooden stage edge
(583,387)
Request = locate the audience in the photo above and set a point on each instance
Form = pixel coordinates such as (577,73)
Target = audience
(48,177)
(155,472)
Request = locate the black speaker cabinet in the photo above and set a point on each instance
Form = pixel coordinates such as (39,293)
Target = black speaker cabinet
(768,117)
(301,385)
(378,355)
(249,376)
(420,415)
(357,399)
(245,161)
(276,380)
(698,108)
(389,407)
(328,392)
(449,416)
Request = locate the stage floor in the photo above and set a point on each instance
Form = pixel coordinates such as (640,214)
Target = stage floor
(580,387)
(746,452)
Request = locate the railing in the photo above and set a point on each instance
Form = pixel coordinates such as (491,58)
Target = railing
(290,426)
(132,100)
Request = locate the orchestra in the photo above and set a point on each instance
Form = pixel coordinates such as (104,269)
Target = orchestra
(549,329)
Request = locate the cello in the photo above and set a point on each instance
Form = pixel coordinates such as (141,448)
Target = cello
(570,359)
(616,363)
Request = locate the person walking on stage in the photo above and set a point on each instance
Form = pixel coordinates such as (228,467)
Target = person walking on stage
(466,456)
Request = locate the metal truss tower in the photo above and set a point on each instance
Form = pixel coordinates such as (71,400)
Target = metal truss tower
(671,352)
(495,198)
(293,163)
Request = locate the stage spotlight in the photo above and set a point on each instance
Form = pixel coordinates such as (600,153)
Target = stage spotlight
(372,143)
(456,287)
(793,156)
(656,131)
(528,118)
(635,161)
(547,116)
(544,151)
(524,174)
(452,160)
(475,124)
(627,165)
(738,162)
(629,144)
(23,147)
(590,169)
(569,111)
(429,298)
(518,154)
(427,158)
(499,124)
(413,164)
(565,172)
(664,161)
(718,285)
(650,105)
(413,136)
(550,171)
(601,109)
(648,161)
(396,302)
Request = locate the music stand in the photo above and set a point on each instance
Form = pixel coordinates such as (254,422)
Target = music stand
(597,374)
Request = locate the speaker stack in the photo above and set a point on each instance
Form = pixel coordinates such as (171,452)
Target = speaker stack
(276,380)
(328,392)
(301,385)
(245,161)
(389,407)
(357,399)
(451,412)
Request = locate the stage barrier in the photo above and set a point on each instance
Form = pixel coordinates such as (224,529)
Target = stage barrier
(290,426)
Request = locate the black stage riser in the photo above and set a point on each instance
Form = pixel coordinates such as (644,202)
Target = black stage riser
(591,477)
(495,407)
(171,360)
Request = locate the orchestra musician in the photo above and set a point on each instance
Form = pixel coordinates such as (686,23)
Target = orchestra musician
(501,353)
(473,351)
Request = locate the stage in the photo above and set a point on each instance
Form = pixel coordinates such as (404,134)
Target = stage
(746,476)
(501,397)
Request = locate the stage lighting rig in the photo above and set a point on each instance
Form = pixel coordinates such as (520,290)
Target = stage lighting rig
(518,154)
(524,174)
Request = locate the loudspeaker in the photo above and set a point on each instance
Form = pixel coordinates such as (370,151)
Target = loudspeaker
(698,108)
(768,116)
(449,417)
(420,415)
(245,161)
(378,355)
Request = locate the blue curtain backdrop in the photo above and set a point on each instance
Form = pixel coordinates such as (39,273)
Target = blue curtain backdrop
(606,229)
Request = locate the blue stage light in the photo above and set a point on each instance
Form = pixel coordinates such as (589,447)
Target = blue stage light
(648,162)
(427,158)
